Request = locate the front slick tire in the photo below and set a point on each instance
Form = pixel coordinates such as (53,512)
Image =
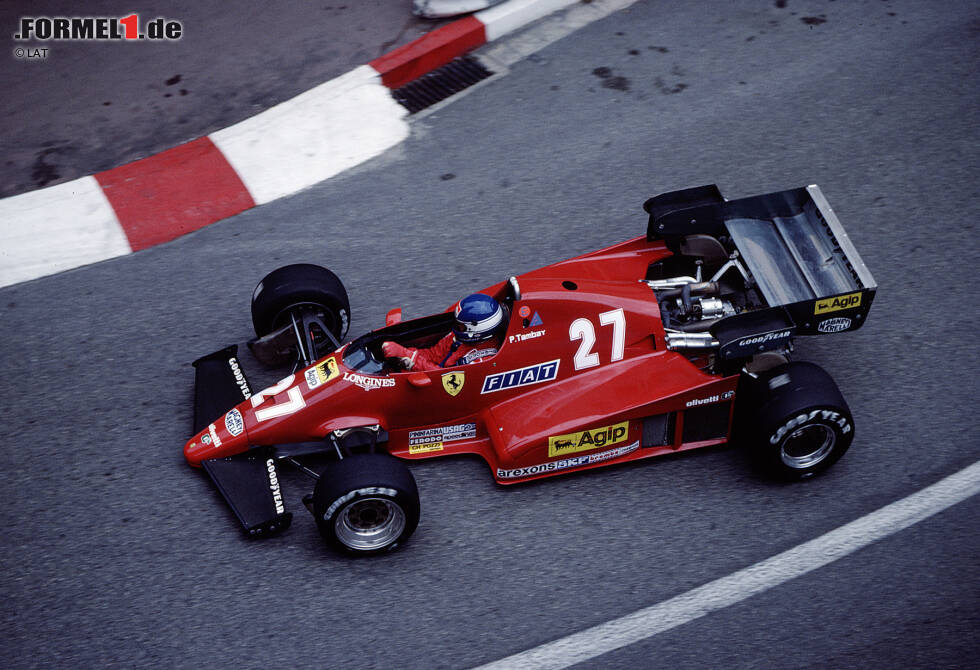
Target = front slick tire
(802,425)
(366,504)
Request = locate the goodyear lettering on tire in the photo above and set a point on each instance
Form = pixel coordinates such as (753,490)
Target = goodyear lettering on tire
(818,415)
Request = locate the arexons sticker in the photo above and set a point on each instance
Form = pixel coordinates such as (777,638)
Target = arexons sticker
(837,303)
(321,373)
(574,462)
(532,374)
(587,440)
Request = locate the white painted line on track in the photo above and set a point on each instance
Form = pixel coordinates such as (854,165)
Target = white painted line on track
(746,583)
(548,30)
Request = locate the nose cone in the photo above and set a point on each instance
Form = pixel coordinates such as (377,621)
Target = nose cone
(225,437)
(196,450)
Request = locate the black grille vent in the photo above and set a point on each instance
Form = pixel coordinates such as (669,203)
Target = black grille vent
(441,83)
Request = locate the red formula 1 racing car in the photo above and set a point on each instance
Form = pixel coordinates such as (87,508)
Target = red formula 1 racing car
(667,342)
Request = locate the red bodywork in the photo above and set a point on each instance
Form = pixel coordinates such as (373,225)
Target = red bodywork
(577,407)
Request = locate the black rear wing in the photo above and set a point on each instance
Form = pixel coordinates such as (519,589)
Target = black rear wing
(795,249)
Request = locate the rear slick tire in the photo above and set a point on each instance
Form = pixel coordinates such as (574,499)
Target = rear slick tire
(801,424)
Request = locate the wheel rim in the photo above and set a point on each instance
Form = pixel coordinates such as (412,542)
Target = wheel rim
(370,523)
(808,445)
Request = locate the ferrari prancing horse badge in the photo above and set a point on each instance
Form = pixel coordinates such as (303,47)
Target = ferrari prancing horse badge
(453,382)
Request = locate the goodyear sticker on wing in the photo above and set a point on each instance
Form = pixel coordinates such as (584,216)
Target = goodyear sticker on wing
(587,440)
(837,303)
(321,373)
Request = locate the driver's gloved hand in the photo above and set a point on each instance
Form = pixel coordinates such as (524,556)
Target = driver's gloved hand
(405,356)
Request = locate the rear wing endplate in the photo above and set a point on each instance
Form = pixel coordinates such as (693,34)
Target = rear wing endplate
(801,259)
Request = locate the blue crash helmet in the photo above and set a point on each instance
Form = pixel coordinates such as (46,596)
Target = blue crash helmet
(478,317)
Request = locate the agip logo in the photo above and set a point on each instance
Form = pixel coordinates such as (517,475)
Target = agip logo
(587,440)
(321,373)
(837,303)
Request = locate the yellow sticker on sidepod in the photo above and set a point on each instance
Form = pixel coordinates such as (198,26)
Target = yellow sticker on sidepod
(424,448)
(588,439)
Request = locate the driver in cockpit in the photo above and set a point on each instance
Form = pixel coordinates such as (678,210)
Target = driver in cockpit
(475,337)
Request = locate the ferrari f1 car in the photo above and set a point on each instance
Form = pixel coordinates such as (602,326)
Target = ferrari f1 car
(674,340)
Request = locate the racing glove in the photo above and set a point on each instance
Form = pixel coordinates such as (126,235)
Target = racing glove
(405,356)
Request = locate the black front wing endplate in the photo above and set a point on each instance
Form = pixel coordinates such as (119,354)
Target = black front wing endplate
(219,385)
(249,483)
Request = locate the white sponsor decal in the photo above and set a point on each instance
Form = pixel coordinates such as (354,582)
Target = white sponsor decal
(270,465)
(476,355)
(239,378)
(520,337)
(214,436)
(206,439)
(800,419)
(312,380)
(834,325)
(366,491)
(234,423)
(762,339)
(368,383)
(463,431)
(566,463)
(532,374)
(715,398)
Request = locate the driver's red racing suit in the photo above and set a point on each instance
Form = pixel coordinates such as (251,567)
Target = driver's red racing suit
(445,353)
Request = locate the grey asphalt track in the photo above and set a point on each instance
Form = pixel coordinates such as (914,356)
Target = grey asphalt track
(115,553)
